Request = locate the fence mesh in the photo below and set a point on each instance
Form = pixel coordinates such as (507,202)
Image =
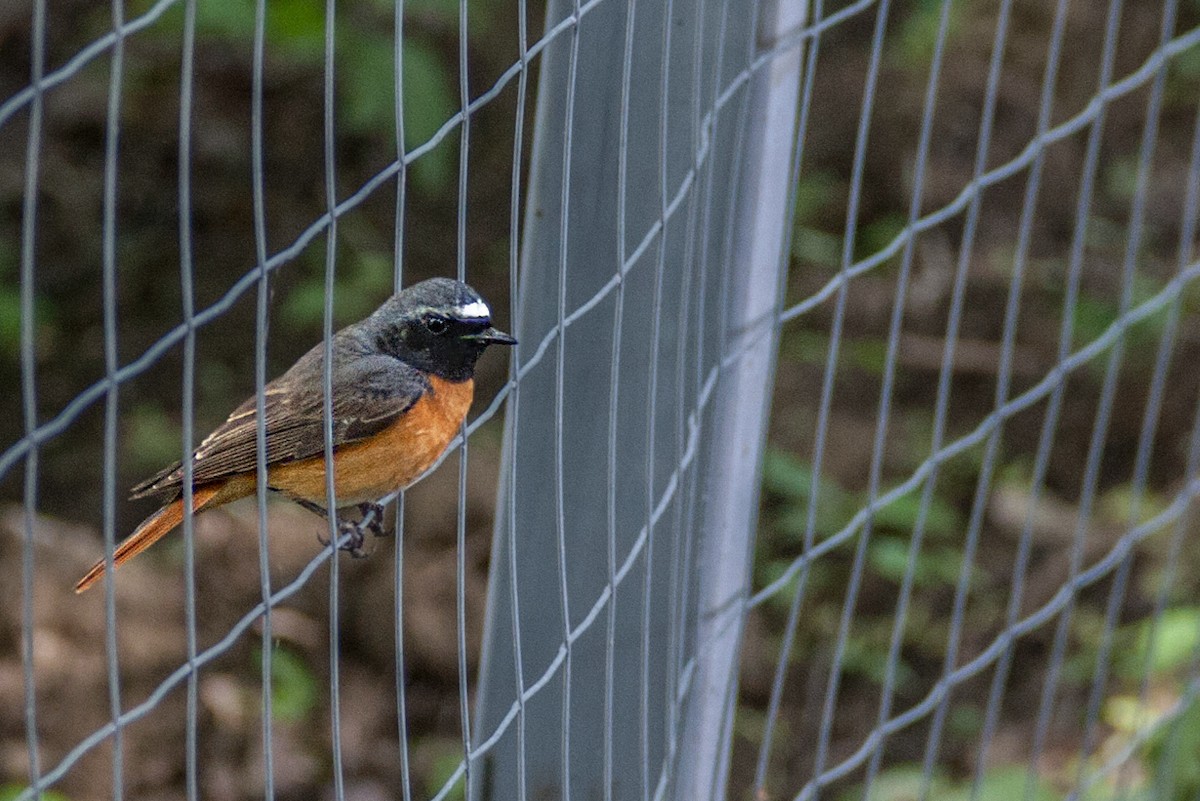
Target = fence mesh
(970,575)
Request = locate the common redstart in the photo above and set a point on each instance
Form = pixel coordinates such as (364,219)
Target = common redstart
(403,380)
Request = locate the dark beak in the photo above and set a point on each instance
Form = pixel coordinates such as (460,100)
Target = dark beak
(492,336)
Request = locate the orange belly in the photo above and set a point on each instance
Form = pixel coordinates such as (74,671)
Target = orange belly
(394,458)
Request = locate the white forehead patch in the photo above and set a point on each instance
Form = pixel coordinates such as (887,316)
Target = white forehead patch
(475,310)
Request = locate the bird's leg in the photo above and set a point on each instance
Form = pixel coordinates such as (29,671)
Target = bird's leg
(314,508)
(375,524)
(354,545)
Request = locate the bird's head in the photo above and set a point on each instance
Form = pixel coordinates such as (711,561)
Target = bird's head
(440,325)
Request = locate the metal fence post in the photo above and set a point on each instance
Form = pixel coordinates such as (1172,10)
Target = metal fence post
(730,484)
(658,268)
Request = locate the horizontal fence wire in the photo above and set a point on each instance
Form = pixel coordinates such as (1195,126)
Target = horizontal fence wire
(1168,298)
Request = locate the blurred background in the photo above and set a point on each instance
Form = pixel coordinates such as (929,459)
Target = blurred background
(72,686)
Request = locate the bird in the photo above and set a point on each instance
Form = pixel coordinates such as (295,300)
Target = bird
(403,381)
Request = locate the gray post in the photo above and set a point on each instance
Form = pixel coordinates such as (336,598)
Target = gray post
(741,407)
(632,684)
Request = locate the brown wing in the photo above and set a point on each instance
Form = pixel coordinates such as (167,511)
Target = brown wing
(369,393)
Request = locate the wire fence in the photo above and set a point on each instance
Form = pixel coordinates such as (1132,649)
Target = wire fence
(969,572)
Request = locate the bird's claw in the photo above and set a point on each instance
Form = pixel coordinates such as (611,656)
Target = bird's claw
(375,512)
(352,532)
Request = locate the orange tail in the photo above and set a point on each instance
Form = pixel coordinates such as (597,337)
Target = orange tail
(152,529)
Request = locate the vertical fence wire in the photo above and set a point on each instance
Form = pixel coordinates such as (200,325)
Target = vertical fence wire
(1050,422)
(514,228)
(112,131)
(464,154)
(331,249)
(29,404)
(261,327)
(187,282)
(406,783)
(609,769)
(560,522)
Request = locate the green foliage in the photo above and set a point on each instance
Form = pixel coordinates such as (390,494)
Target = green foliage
(1183,77)
(1169,643)
(889,556)
(811,244)
(444,765)
(1173,752)
(789,482)
(1092,316)
(360,283)
(811,347)
(45,312)
(429,101)
(365,69)
(1166,747)
(816,247)
(152,438)
(901,783)
(10,301)
(1120,177)
(10,792)
(814,193)
(866,653)
(1118,505)
(919,31)
(905,782)
(878,234)
(293,685)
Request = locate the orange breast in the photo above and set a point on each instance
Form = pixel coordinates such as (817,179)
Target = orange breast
(393,458)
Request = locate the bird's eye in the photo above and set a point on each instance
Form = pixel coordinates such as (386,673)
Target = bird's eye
(436,325)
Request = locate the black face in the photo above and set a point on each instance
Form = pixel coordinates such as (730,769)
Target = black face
(440,326)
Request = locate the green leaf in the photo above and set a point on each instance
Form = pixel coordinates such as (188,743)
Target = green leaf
(295,28)
(153,438)
(442,769)
(903,513)
(10,320)
(293,686)
(10,792)
(784,474)
(1172,641)
(900,783)
(919,33)
(367,83)
(817,247)
(814,193)
(878,234)
(357,290)
(429,101)
(1003,783)
(888,556)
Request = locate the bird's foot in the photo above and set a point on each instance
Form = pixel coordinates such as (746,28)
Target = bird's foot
(375,524)
(352,532)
